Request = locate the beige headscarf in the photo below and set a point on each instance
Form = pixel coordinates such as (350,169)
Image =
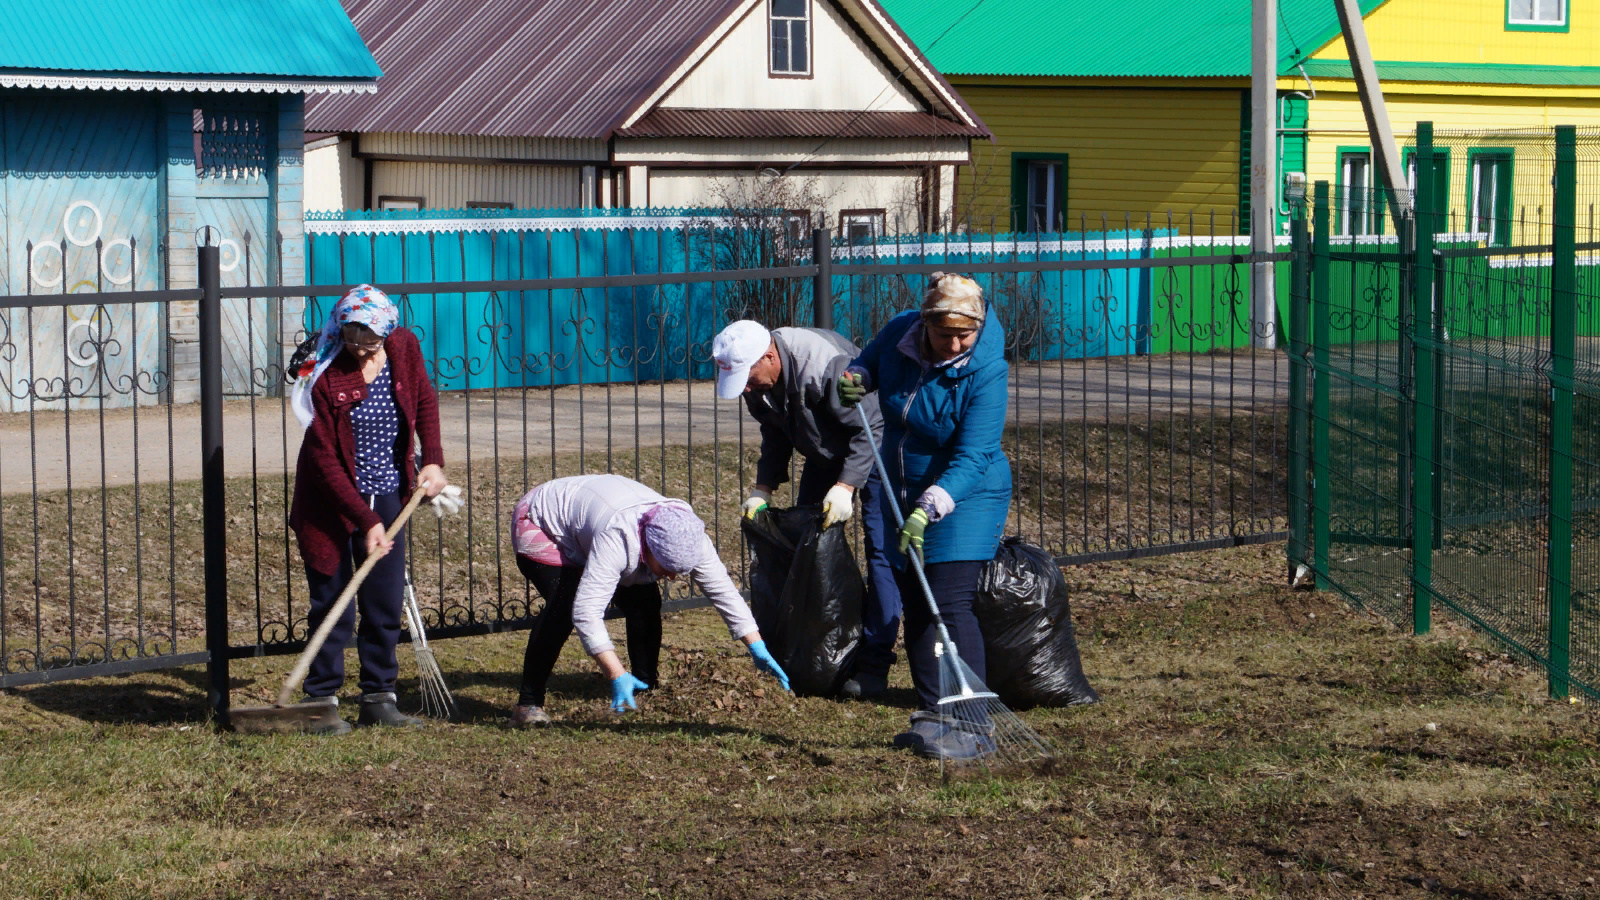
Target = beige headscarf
(952,301)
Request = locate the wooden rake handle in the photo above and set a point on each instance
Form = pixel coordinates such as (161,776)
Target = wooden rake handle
(303,664)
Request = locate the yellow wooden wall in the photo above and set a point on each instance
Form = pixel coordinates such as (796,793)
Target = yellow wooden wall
(1129,150)
(1472,31)
(1462,124)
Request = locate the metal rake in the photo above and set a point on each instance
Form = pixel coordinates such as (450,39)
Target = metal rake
(437,702)
(965,703)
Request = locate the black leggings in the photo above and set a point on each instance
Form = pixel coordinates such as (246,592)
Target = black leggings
(640,605)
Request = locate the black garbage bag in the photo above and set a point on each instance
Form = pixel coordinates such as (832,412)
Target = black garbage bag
(1028,641)
(806,594)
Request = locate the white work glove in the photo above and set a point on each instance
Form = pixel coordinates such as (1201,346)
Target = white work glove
(447,502)
(837,506)
(757,502)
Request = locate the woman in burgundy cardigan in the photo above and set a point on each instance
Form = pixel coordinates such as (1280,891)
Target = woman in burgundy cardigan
(361,398)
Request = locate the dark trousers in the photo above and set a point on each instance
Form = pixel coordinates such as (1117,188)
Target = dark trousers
(558,585)
(379,601)
(880,611)
(954,586)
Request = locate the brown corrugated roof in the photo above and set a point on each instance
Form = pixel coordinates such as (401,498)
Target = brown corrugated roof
(792,123)
(557,68)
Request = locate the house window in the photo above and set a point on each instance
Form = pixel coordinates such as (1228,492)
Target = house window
(1441,186)
(1044,188)
(1489,196)
(388,201)
(791,37)
(1355,193)
(796,229)
(1536,15)
(1038,191)
(861,226)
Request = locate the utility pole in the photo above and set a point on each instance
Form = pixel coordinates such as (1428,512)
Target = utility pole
(1379,130)
(1263,167)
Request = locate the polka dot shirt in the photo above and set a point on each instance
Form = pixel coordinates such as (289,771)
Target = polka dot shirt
(376,423)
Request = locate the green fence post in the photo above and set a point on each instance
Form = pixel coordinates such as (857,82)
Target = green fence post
(1321,481)
(1563,325)
(1421,325)
(1299,412)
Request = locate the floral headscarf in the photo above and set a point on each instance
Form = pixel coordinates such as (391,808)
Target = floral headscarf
(364,305)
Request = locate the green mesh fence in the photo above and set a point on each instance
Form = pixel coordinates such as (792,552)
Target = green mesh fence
(1454,392)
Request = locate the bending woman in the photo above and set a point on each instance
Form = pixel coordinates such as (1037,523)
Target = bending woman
(587,540)
(361,396)
(940,373)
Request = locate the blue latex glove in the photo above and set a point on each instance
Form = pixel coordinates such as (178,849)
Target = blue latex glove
(622,688)
(765,662)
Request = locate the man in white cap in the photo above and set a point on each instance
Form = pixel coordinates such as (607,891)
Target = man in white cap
(787,377)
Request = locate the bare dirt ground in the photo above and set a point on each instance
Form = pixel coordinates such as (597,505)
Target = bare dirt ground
(262,436)
(1252,742)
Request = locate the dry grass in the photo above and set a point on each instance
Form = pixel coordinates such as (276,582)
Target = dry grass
(1252,742)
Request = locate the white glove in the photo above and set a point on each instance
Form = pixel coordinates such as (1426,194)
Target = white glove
(757,502)
(447,502)
(838,505)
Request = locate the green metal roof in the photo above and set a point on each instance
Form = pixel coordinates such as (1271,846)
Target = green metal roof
(1077,38)
(1463,73)
(262,38)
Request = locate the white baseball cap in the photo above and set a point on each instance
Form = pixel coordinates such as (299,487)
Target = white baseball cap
(735,349)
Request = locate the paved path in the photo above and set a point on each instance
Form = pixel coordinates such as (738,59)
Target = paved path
(35,450)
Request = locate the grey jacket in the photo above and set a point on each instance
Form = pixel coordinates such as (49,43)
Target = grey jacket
(594,520)
(802,412)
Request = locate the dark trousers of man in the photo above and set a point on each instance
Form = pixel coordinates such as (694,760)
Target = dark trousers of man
(379,601)
(880,613)
(954,586)
(640,605)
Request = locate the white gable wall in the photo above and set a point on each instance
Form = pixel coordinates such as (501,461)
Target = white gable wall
(846,73)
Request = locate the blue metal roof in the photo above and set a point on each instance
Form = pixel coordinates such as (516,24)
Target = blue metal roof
(261,38)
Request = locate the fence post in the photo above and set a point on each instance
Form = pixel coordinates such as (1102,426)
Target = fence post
(1563,325)
(1321,480)
(1299,414)
(212,497)
(1423,328)
(822,282)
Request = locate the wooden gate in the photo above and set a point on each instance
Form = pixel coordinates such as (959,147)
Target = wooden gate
(233,197)
(80,204)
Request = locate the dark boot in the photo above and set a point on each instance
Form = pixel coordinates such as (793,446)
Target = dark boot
(379,709)
(326,722)
(865,686)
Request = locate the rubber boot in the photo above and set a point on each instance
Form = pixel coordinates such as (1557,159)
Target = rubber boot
(328,724)
(865,686)
(380,710)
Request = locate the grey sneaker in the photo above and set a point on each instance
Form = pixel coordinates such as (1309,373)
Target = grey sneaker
(529,717)
(380,710)
(925,726)
(865,686)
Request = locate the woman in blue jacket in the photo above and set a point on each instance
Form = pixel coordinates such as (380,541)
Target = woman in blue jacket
(940,373)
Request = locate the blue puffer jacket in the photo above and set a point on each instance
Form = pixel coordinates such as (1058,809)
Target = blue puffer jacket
(943,426)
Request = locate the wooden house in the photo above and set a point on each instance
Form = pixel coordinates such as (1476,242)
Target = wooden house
(129,127)
(1145,109)
(565,104)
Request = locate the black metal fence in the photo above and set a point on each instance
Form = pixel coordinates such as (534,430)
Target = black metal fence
(1148,415)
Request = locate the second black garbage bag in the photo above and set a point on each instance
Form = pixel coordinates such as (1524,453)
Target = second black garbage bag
(1028,640)
(806,594)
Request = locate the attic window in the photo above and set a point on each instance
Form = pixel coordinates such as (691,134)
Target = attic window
(791,37)
(1536,15)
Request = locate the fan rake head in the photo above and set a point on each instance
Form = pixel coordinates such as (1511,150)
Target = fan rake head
(1001,742)
(437,702)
